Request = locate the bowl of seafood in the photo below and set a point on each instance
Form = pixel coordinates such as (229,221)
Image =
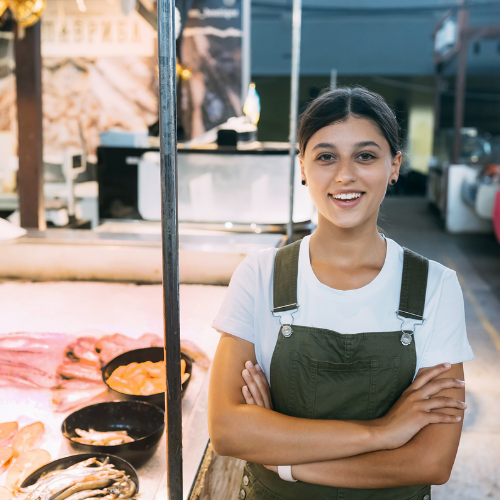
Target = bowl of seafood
(80,477)
(140,375)
(130,430)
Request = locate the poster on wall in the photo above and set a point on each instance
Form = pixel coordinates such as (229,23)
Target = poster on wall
(211,51)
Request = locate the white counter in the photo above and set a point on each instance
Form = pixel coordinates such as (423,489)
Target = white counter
(97,308)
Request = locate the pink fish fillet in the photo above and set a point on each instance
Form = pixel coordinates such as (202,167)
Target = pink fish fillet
(82,371)
(76,395)
(31,358)
(111,346)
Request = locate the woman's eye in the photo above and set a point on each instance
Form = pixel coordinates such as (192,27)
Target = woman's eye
(326,157)
(366,156)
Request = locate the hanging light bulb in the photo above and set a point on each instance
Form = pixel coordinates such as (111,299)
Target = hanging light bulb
(3,6)
(27,12)
(252,105)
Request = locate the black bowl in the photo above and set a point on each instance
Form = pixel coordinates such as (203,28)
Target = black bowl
(64,463)
(153,354)
(144,422)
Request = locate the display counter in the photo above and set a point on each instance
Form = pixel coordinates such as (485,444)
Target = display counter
(96,309)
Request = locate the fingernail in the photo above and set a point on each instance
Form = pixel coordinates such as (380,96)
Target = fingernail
(245,388)
(249,364)
(460,381)
(458,418)
(257,367)
(447,365)
(465,405)
(246,373)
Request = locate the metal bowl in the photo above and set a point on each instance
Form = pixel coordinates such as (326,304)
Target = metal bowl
(143,422)
(153,354)
(64,463)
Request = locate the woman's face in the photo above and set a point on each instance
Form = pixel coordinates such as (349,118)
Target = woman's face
(347,167)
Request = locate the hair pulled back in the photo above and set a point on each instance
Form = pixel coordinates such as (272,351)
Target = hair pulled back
(338,105)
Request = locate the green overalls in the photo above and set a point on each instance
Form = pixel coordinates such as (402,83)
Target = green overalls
(322,374)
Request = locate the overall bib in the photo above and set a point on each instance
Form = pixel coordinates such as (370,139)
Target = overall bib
(322,374)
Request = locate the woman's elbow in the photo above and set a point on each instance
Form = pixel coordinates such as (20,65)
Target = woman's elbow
(440,476)
(437,470)
(221,437)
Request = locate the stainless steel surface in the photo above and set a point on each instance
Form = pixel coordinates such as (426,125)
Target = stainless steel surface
(206,257)
(294,104)
(170,245)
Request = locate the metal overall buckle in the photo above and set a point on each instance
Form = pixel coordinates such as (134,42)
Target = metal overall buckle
(286,320)
(407,335)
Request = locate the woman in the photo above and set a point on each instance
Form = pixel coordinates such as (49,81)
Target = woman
(351,346)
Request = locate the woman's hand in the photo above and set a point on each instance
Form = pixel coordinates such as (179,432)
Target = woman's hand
(419,406)
(257,391)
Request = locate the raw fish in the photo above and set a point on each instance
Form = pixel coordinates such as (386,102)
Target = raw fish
(27,463)
(7,431)
(27,438)
(5,457)
(72,397)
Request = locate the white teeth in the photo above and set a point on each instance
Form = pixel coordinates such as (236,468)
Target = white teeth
(348,196)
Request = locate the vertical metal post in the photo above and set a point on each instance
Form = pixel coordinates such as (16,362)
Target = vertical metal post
(29,120)
(294,104)
(246,49)
(333,79)
(170,244)
(438,83)
(458,122)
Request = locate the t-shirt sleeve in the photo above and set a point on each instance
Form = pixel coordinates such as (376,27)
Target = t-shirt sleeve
(448,342)
(236,315)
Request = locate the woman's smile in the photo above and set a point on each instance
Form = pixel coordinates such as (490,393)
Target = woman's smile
(346,199)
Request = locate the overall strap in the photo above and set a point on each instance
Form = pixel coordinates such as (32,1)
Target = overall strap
(286,269)
(413,286)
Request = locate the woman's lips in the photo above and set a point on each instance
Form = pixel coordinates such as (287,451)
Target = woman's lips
(346,203)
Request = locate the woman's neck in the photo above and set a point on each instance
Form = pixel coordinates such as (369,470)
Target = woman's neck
(339,255)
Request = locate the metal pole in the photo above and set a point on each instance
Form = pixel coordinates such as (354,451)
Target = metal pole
(333,79)
(438,83)
(246,52)
(29,121)
(458,122)
(294,104)
(170,245)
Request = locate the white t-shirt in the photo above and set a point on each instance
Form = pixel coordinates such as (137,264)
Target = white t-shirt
(246,309)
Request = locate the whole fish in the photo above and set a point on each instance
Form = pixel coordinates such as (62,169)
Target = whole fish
(89,479)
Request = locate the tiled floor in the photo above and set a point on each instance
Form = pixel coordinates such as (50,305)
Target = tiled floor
(476,258)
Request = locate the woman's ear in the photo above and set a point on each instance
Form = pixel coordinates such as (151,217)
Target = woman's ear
(302,166)
(396,164)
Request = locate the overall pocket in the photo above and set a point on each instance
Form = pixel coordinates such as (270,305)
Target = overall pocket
(360,390)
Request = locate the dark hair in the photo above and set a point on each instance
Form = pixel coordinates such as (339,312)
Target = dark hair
(337,105)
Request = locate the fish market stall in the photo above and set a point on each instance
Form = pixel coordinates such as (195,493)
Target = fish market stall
(54,337)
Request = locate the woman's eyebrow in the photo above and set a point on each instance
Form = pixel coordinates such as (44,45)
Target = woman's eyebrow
(324,145)
(364,144)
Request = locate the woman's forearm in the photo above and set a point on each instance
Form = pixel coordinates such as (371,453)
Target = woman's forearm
(260,435)
(427,459)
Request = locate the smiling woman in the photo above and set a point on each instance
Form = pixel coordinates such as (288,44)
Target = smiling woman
(350,347)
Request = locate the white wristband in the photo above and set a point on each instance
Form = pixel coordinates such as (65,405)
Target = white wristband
(285,472)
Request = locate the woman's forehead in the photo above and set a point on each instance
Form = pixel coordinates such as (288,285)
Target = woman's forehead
(351,131)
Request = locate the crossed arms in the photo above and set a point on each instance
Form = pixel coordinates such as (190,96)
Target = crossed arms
(415,443)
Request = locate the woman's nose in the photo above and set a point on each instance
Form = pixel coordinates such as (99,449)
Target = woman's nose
(345,172)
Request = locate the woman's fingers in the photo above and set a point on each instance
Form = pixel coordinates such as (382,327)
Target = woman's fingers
(443,402)
(443,418)
(437,385)
(249,400)
(259,379)
(253,387)
(424,376)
